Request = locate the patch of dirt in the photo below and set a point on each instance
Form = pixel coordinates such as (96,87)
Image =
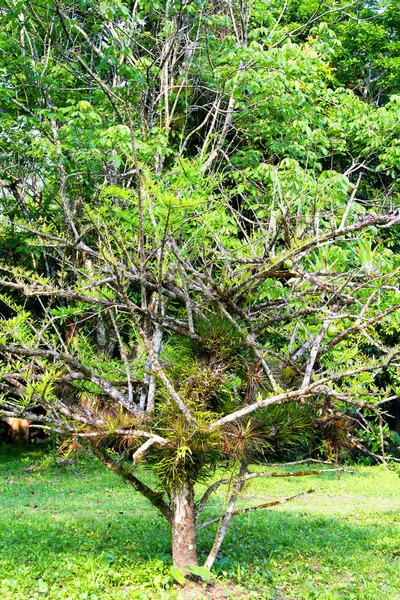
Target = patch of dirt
(211,591)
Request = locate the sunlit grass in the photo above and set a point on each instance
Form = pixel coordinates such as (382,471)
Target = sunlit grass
(78,532)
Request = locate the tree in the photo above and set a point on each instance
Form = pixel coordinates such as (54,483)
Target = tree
(191,267)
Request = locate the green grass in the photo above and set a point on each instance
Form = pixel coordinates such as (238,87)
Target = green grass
(78,532)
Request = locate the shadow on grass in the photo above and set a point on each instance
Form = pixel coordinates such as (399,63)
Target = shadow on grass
(146,536)
(284,535)
(86,510)
(48,511)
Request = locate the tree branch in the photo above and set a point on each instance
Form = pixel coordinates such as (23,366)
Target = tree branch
(102,383)
(258,507)
(226,518)
(154,497)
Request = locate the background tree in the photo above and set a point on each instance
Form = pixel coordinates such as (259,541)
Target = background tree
(193,267)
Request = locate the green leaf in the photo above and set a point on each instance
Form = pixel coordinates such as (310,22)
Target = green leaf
(177,575)
(200,572)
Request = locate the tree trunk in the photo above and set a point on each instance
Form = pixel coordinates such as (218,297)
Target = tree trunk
(184,551)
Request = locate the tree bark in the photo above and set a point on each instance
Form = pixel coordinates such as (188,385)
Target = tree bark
(184,550)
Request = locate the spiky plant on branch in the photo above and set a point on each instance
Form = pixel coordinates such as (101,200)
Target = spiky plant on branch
(191,244)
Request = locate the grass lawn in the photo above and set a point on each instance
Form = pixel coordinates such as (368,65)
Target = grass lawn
(78,532)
